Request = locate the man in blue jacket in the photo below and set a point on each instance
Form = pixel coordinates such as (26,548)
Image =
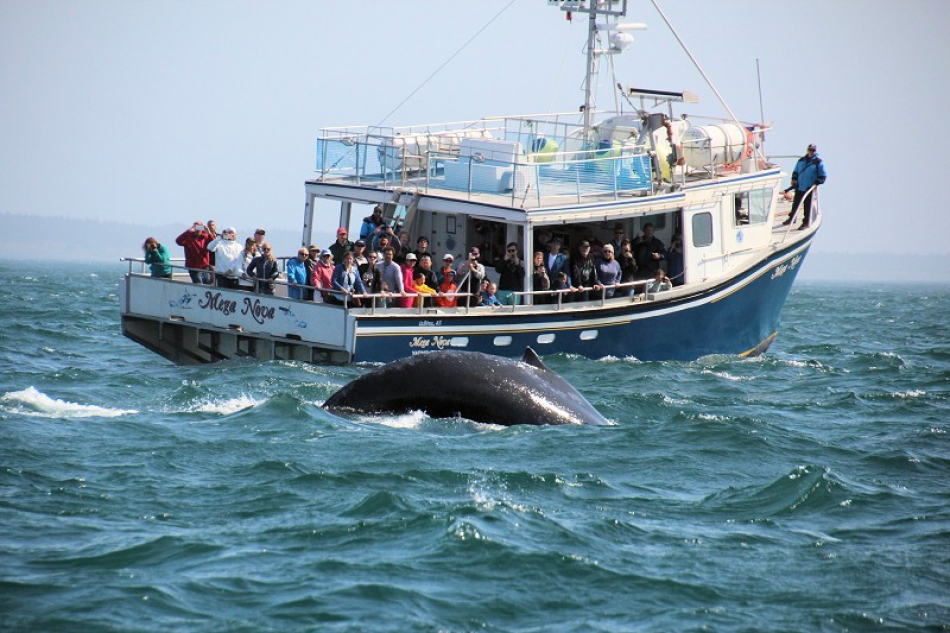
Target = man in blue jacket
(809,170)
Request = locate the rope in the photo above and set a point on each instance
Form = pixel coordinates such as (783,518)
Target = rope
(444,64)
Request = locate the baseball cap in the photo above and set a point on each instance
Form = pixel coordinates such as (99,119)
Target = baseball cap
(410,256)
(341,231)
(812,148)
(448,256)
(359,243)
(583,244)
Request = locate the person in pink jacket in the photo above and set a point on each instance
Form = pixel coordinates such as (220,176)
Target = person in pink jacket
(407,268)
(322,275)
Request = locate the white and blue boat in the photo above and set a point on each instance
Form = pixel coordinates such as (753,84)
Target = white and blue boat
(484,183)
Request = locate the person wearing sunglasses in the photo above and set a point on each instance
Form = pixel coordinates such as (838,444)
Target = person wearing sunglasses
(511,269)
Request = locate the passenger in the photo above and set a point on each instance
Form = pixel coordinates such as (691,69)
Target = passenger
(543,240)
(540,280)
(674,260)
(390,275)
(347,282)
(422,248)
(583,274)
(247,256)
(372,225)
(313,256)
(195,240)
(264,269)
(447,287)
(424,293)
(297,274)
(372,280)
(563,289)
(447,261)
(511,281)
(425,265)
(470,273)
(382,244)
(322,277)
(649,251)
(557,261)
(618,240)
(809,170)
(259,235)
(401,247)
(487,296)
(359,256)
(628,270)
(213,231)
(229,258)
(341,245)
(157,257)
(408,269)
(660,283)
(608,271)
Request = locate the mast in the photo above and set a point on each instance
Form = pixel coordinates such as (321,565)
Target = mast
(593,8)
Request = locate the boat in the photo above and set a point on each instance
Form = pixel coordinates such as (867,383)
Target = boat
(704,182)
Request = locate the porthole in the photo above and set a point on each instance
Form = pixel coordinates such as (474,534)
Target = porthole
(459,341)
(544,339)
(502,341)
(589,335)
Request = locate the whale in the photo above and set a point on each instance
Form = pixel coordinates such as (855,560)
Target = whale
(471,385)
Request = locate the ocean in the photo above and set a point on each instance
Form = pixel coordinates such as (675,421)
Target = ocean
(805,490)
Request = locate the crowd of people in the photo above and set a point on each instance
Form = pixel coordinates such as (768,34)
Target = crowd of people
(381,269)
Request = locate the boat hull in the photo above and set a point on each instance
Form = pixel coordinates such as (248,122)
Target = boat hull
(739,317)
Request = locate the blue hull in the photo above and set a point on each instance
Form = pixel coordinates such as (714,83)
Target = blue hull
(738,317)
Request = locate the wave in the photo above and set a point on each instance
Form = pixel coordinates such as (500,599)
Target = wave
(31,402)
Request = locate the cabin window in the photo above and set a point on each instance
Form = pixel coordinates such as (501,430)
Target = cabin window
(589,335)
(752,207)
(702,229)
(502,341)
(657,220)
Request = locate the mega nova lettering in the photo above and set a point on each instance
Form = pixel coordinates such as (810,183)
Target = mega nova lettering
(423,342)
(214,301)
(258,311)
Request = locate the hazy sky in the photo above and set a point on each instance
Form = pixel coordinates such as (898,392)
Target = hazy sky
(156,111)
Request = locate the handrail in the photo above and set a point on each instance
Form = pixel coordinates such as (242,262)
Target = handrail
(791,219)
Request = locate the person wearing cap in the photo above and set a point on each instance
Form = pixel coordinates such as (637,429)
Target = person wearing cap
(809,171)
(470,274)
(511,280)
(322,276)
(313,256)
(447,261)
(341,245)
(194,241)
(229,258)
(447,288)
(583,273)
(259,235)
(408,270)
(617,242)
(557,261)
(390,275)
(297,274)
(359,256)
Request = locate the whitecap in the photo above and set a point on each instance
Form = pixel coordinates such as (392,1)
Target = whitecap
(224,407)
(34,403)
(913,393)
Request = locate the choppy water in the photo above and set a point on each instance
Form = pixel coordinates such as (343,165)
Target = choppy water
(806,490)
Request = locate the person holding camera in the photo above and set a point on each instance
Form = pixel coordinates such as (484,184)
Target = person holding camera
(229,260)
(157,257)
(511,281)
(471,272)
(197,259)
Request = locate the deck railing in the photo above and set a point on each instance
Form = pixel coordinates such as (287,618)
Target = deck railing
(544,158)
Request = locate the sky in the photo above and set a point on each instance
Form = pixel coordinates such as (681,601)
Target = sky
(155,112)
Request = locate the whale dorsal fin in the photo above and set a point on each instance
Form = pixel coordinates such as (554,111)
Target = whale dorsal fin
(532,359)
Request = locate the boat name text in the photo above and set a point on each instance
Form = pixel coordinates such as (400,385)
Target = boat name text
(422,342)
(217,302)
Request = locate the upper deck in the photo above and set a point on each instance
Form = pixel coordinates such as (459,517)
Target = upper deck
(534,162)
